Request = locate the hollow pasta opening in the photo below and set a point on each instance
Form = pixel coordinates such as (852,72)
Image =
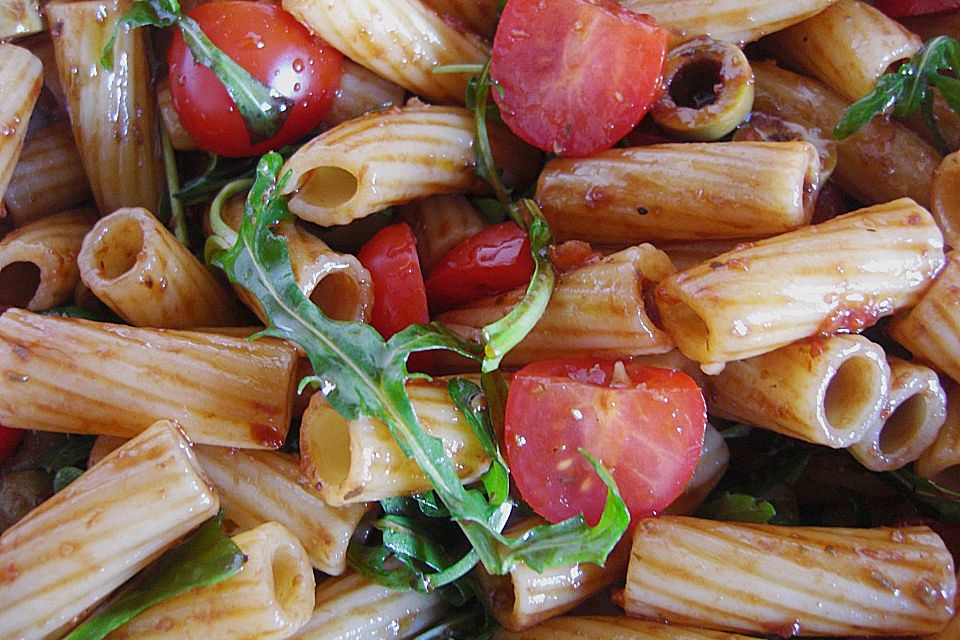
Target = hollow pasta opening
(849,395)
(688,325)
(339,297)
(328,187)
(287,588)
(117,248)
(902,425)
(333,455)
(19,282)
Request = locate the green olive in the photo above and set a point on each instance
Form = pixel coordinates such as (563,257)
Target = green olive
(709,90)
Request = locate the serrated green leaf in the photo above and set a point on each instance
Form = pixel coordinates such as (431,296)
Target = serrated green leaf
(64,476)
(467,397)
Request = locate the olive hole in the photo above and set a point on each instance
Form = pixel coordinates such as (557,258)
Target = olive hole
(696,83)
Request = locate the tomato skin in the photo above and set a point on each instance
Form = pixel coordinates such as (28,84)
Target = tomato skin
(9,439)
(576,75)
(645,426)
(399,296)
(902,8)
(489,263)
(277,50)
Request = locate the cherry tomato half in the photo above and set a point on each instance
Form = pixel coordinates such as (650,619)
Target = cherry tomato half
(575,75)
(277,50)
(9,439)
(492,262)
(646,425)
(399,297)
(902,8)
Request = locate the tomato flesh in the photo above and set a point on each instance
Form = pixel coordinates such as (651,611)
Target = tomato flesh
(9,439)
(646,425)
(399,296)
(277,50)
(903,8)
(489,263)
(575,76)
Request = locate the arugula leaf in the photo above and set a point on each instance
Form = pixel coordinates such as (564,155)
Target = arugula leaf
(908,90)
(72,452)
(738,507)
(467,396)
(64,476)
(69,311)
(942,500)
(263,110)
(360,374)
(205,558)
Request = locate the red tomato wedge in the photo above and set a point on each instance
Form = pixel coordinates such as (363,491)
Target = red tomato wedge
(399,297)
(903,8)
(492,262)
(646,425)
(575,76)
(277,50)
(9,439)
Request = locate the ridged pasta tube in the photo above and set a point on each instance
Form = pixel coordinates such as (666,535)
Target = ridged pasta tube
(941,461)
(613,628)
(38,262)
(439,223)
(359,461)
(391,157)
(19,18)
(694,191)
(790,580)
(361,90)
(758,298)
(945,198)
(916,409)
(269,599)
(73,550)
(180,139)
(149,278)
(596,311)
(21,76)
(77,376)
(353,607)
(826,390)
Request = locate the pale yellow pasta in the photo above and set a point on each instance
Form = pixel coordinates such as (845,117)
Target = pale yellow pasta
(439,223)
(269,599)
(353,607)
(847,46)
(952,630)
(149,278)
(945,198)
(941,461)
(598,310)
(390,157)
(684,255)
(826,390)
(38,262)
(790,580)
(524,598)
(693,191)
(736,21)
(401,40)
(113,113)
(73,550)
(220,389)
(266,486)
(882,162)
(612,628)
(19,18)
(840,275)
(360,91)
(170,120)
(21,76)
(358,460)
(48,178)
(714,459)
(916,409)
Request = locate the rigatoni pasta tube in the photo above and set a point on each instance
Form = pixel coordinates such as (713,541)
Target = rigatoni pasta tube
(826,390)
(149,278)
(790,580)
(352,607)
(360,91)
(38,262)
(840,275)
(596,311)
(170,120)
(439,223)
(945,198)
(524,598)
(113,113)
(734,21)
(931,330)
(847,46)
(266,486)
(916,409)
(402,41)
(952,630)
(612,627)
(269,599)
(48,178)
(681,192)
(359,461)
(941,461)
(19,18)
(391,157)
(76,376)
(21,76)
(882,162)
(73,550)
